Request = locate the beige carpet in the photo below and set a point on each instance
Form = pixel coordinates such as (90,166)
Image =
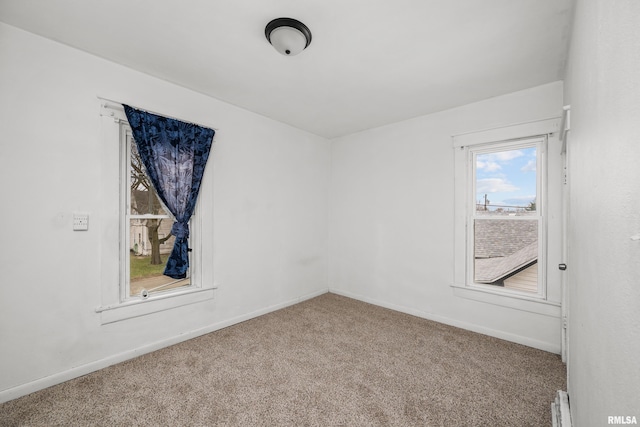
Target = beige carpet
(325,362)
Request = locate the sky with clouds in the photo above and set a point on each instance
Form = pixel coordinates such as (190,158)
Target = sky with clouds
(507,177)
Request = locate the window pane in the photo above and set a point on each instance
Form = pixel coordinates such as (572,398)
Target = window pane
(506,253)
(505,182)
(150,239)
(148,255)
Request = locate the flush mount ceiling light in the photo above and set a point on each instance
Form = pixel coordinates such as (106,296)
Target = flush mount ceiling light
(288,36)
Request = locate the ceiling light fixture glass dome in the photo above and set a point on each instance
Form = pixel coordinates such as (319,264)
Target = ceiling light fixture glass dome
(288,36)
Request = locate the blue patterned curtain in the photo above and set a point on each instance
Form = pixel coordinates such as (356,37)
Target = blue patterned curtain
(174,154)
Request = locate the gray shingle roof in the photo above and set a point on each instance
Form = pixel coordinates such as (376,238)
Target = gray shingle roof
(503,247)
(502,237)
(491,270)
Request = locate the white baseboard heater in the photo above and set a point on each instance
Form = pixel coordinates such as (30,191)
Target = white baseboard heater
(560,414)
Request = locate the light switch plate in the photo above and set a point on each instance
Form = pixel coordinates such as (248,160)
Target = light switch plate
(80,221)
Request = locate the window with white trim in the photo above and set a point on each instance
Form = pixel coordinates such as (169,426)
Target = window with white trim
(126,206)
(146,239)
(504,242)
(504,216)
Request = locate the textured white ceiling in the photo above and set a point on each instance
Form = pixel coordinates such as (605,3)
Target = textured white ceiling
(371,62)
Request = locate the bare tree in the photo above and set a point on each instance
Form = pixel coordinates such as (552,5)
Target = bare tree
(144,199)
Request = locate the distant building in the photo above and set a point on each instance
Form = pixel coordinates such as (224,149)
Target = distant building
(139,233)
(139,237)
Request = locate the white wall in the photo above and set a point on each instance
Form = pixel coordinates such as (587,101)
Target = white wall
(392,223)
(603,88)
(270,195)
(388,232)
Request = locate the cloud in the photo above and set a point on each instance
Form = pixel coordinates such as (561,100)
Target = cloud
(492,162)
(505,156)
(530,166)
(494,185)
(488,166)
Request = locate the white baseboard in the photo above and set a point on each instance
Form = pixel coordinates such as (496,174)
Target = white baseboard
(519,339)
(60,377)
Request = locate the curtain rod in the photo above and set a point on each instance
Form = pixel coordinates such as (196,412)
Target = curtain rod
(118,105)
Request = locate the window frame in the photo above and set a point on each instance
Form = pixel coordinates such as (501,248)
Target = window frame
(126,139)
(540,143)
(115,305)
(549,304)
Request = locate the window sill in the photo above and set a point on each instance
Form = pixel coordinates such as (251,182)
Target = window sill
(154,304)
(516,301)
